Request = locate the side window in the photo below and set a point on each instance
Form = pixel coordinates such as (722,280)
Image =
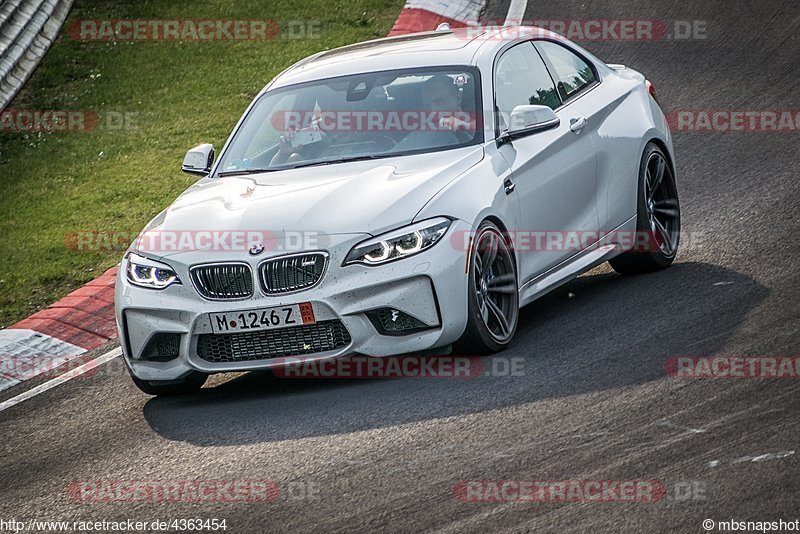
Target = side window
(521,78)
(574,74)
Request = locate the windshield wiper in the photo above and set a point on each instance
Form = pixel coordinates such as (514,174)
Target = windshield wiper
(242,172)
(346,160)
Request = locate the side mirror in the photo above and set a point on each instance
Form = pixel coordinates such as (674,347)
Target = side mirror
(198,160)
(526,120)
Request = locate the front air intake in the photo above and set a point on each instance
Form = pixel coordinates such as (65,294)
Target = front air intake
(324,336)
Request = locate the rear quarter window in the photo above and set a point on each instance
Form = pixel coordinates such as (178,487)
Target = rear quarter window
(573,72)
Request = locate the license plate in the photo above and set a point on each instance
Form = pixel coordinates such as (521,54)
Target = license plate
(262,318)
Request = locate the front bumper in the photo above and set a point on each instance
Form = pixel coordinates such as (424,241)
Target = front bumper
(430,286)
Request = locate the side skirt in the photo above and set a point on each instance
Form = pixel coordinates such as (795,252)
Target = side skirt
(585,260)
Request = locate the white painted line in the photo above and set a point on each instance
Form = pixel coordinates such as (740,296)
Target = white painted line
(26,353)
(516,12)
(25,342)
(69,375)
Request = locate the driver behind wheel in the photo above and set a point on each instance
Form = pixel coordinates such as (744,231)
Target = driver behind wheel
(442,94)
(299,145)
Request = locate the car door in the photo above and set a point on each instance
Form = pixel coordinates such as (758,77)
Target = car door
(608,112)
(553,171)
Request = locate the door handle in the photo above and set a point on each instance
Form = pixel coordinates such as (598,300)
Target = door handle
(576,125)
(509,186)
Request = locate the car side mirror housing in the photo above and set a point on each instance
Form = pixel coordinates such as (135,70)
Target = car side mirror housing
(198,160)
(526,120)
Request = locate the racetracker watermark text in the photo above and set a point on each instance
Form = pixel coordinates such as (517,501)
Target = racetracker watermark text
(734,120)
(191,491)
(134,30)
(583,30)
(578,491)
(79,120)
(758,367)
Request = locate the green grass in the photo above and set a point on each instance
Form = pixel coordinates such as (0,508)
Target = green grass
(181,94)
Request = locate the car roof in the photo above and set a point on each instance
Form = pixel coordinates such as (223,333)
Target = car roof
(448,47)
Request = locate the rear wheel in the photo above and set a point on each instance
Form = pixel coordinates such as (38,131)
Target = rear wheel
(493,301)
(189,384)
(658,217)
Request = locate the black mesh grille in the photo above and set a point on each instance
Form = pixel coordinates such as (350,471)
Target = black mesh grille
(292,273)
(219,282)
(265,344)
(162,348)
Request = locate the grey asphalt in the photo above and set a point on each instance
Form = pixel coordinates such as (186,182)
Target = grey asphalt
(594,402)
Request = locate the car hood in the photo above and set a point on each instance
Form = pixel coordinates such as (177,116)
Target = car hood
(370,196)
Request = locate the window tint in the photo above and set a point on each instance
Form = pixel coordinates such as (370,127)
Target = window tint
(573,72)
(521,78)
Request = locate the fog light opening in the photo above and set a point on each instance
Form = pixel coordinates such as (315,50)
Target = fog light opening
(393,322)
(162,347)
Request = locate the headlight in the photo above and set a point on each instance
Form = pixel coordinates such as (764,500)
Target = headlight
(145,272)
(400,243)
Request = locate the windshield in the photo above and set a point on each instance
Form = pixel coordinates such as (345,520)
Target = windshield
(362,116)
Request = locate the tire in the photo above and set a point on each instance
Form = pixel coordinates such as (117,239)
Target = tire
(191,383)
(493,299)
(658,217)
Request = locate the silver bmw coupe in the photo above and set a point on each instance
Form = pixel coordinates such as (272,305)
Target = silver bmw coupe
(395,196)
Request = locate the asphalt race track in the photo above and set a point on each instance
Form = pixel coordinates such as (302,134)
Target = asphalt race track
(594,401)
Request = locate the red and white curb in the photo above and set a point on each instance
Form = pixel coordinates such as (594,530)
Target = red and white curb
(84,319)
(81,321)
(422,15)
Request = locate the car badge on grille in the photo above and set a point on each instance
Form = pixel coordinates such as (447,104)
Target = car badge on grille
(256,249)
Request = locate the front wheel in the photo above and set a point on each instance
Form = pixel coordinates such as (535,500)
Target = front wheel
(658,217)
(493,298)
